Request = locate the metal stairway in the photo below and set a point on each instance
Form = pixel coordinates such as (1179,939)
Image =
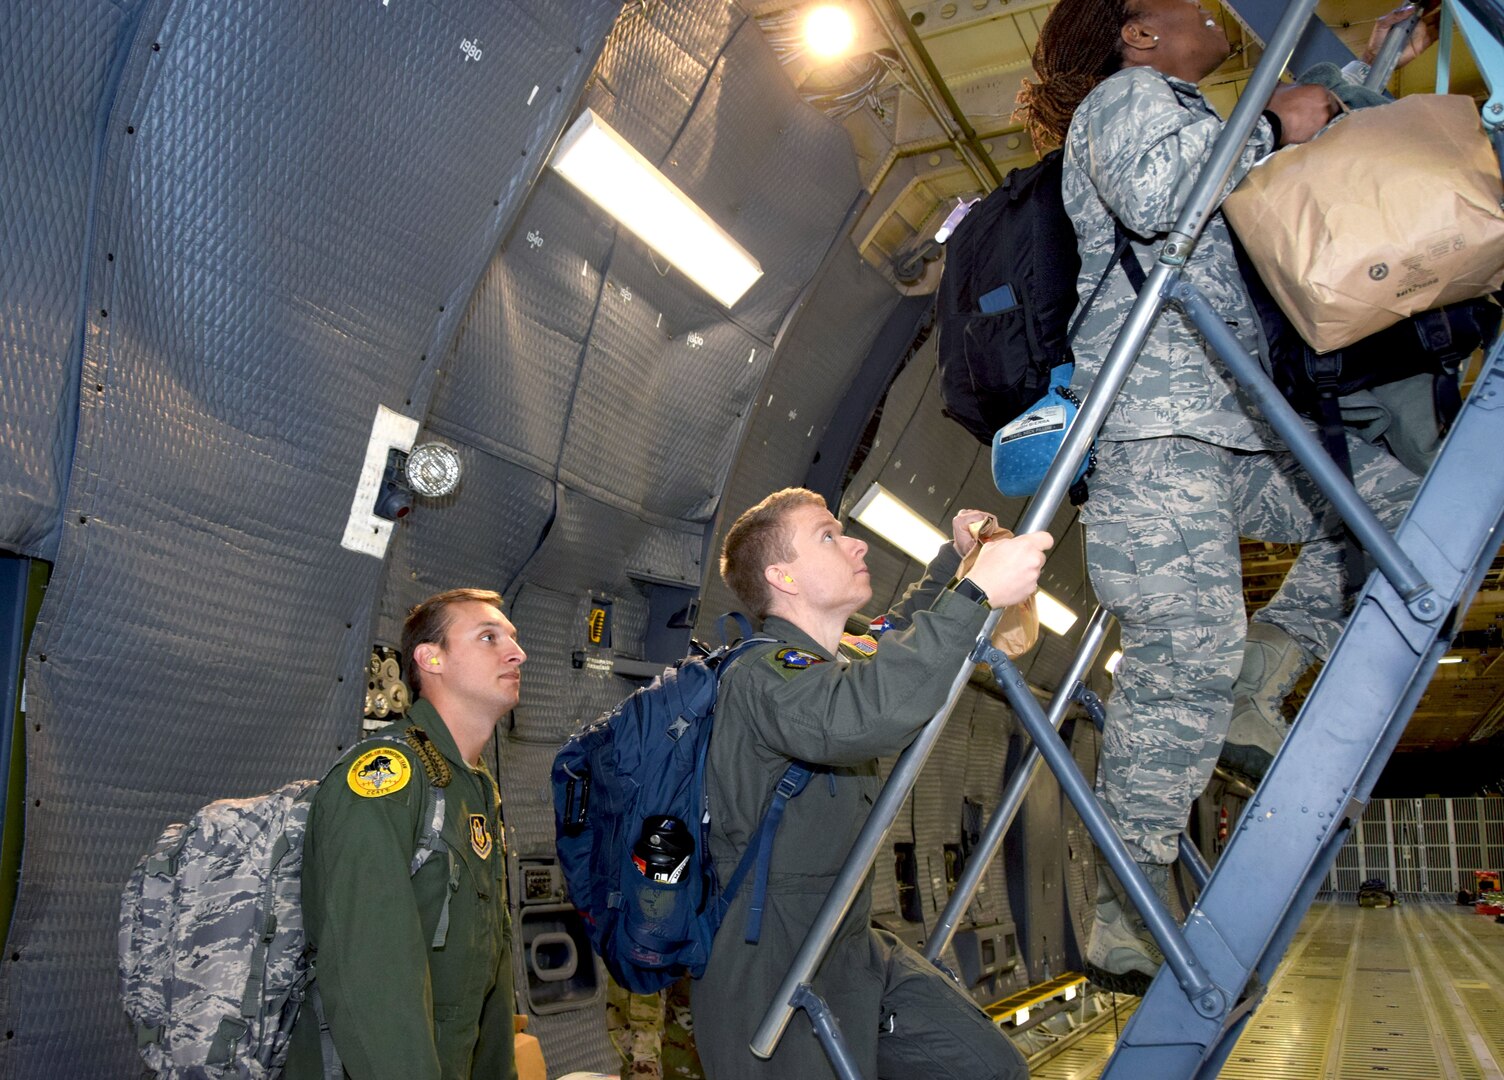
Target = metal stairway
(1218,964)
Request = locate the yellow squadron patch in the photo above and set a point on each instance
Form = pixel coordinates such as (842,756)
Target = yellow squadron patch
(480,835)
(379,772)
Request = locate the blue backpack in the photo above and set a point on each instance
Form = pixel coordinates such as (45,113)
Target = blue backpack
(646,760)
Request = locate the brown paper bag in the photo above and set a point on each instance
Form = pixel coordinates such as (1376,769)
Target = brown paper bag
(1018,629)
(1391,211)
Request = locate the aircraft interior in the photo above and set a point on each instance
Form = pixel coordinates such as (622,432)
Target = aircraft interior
(311,311)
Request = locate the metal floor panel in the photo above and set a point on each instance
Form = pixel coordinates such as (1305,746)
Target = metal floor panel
(1414,992)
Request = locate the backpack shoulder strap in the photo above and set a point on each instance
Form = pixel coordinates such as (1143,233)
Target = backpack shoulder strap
(1123,255)
(726,655)
(760,850)
(743,624)
(431,843)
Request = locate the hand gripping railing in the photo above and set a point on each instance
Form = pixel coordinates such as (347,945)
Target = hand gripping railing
(1018,786)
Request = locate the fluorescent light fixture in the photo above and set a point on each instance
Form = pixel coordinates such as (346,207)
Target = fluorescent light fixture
(829,31)
(622,182)
(1450,660)
(896,523)
(1054,614)
(1113,661)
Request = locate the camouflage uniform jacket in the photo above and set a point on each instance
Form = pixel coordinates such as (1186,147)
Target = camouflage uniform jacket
(397,1006)
(1135,148)
(795,700)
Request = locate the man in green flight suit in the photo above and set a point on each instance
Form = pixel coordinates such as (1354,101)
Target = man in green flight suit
(414,969)
(837,703)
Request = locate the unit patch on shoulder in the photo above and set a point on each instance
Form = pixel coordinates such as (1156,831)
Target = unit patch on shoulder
(379,772)
(794,659)
(480,835)
(864,645)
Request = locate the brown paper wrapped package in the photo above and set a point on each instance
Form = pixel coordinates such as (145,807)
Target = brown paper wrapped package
(1391,211)
(1018,629)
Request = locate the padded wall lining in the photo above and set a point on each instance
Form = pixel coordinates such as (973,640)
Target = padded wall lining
(57,63)
(292,201)
(818,354)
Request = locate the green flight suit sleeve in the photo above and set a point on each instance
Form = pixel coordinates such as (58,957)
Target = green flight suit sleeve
(1147,148)
(921,595)
(362,915)
(828,714)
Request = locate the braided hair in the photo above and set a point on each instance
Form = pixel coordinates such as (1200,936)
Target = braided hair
(1079,45)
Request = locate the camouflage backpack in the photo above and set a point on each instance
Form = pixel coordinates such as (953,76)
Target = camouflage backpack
(214,963)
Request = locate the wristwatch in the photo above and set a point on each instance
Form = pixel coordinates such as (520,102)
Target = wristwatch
(972,591)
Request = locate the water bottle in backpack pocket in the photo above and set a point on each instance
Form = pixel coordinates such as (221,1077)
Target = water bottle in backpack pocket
(658,913)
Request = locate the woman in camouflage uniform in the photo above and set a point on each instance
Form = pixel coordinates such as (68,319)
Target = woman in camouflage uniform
(1186,464)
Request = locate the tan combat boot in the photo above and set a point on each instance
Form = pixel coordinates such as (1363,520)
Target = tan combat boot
(1121,954)
(1272,661)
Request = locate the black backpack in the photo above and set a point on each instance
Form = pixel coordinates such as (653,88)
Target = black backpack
(1005,300)
(1434,342)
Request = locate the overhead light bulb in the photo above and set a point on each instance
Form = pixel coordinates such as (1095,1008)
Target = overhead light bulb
(1113,661)
(1450,660)
(898,524)
(829,31)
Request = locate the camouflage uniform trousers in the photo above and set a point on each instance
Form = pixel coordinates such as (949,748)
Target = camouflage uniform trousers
(1162,529)
(653,1033)
(635,1024)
